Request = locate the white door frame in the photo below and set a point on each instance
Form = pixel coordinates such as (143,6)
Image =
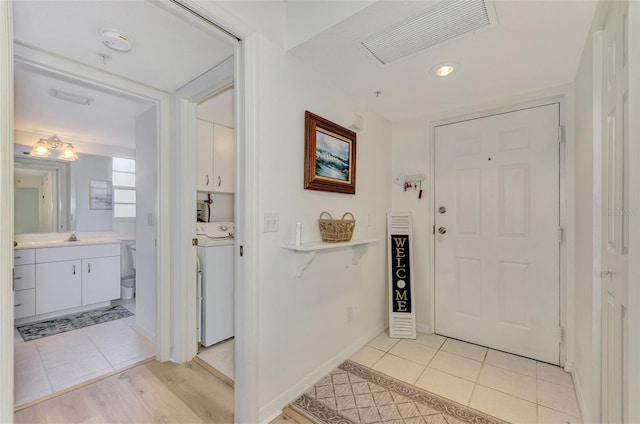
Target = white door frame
(164,204)
(565,204)
(6,212)
(162,101)
(246,402)
(218,79)
(634,205)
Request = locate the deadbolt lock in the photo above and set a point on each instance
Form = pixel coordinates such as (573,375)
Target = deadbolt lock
(442,230)
(442,209)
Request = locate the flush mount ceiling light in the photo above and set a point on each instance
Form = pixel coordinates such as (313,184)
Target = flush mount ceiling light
(115,40)
(42,148)
(443,70)
(70,97)
(444,21)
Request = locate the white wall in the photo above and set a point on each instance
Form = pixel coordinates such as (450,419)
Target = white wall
(146,222)
(411,155)
(221,208)
(303,327)
(585,371)
(83,170)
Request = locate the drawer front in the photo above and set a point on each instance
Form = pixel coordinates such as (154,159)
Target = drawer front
(24,303)
(24,256)
(24,277)
(55,254)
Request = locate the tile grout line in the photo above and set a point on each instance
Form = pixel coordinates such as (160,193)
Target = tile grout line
(113,368)
(44,368)
(475,383)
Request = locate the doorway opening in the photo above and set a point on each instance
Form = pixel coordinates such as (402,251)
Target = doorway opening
(215,231)
(125,76)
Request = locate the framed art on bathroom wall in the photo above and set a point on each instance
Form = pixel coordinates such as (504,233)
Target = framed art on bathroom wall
(329,156)
(100,195)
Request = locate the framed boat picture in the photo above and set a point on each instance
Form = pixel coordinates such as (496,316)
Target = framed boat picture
(329,156)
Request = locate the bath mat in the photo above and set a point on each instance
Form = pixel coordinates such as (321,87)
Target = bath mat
(354,394)
(66,323)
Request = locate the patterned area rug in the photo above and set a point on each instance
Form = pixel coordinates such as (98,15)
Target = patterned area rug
(66,323)
(356,394)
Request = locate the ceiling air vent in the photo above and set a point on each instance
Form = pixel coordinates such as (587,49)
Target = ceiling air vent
(446,20)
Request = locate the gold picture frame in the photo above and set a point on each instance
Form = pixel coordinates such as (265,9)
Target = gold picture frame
(329,156)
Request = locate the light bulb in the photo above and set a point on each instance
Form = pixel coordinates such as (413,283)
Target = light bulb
(445,70)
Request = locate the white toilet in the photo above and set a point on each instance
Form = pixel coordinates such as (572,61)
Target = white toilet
(132,256)
(128,284)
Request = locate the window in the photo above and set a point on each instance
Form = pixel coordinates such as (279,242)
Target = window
(124,188)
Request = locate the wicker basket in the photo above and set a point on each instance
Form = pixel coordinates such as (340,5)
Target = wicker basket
(336,230)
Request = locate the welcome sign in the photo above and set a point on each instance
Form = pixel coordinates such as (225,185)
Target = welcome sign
(401,274)
(402,316)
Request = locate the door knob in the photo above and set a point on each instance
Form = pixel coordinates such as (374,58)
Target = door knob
(442,230)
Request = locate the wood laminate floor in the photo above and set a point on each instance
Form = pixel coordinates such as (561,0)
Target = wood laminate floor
(153,392)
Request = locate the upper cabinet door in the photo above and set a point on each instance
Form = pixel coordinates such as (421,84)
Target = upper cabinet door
(204,161)
(223,159)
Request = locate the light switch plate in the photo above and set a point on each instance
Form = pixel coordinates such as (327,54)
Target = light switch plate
(271,222)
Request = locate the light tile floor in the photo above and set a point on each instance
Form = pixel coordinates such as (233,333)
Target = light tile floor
(221,356)
(510,387)
(54,363)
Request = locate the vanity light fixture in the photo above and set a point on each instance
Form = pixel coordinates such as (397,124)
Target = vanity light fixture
(42,148)
(443,70)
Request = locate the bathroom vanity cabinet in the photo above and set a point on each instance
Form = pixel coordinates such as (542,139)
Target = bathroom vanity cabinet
(54,279)
(24,283)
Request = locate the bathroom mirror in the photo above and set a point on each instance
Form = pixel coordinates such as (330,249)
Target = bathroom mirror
(41,195)
(54,196)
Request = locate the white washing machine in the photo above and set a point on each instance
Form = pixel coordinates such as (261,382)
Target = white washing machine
(217,294)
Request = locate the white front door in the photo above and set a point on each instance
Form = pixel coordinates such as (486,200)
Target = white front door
(497,231)
(615,218)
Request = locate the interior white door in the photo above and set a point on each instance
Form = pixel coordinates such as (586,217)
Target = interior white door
(497,231)
(615,225)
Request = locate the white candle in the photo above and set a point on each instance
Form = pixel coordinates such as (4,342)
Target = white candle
(298,234)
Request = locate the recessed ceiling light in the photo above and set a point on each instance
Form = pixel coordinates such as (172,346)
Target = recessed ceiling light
(115,40)
(443,70)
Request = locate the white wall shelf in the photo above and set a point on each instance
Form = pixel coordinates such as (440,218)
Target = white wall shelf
(305,253)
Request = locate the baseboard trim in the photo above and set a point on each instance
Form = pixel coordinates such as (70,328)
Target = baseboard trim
(579,393)
(274,408)
(296,416)
(569,366)
(214,371)
(424,328)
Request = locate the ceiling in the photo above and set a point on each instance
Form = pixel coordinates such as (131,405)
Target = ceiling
(71,29)
(109,120)
(535,45)
(219,109)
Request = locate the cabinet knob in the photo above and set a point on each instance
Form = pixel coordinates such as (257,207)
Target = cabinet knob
(74,270)
(88,268)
